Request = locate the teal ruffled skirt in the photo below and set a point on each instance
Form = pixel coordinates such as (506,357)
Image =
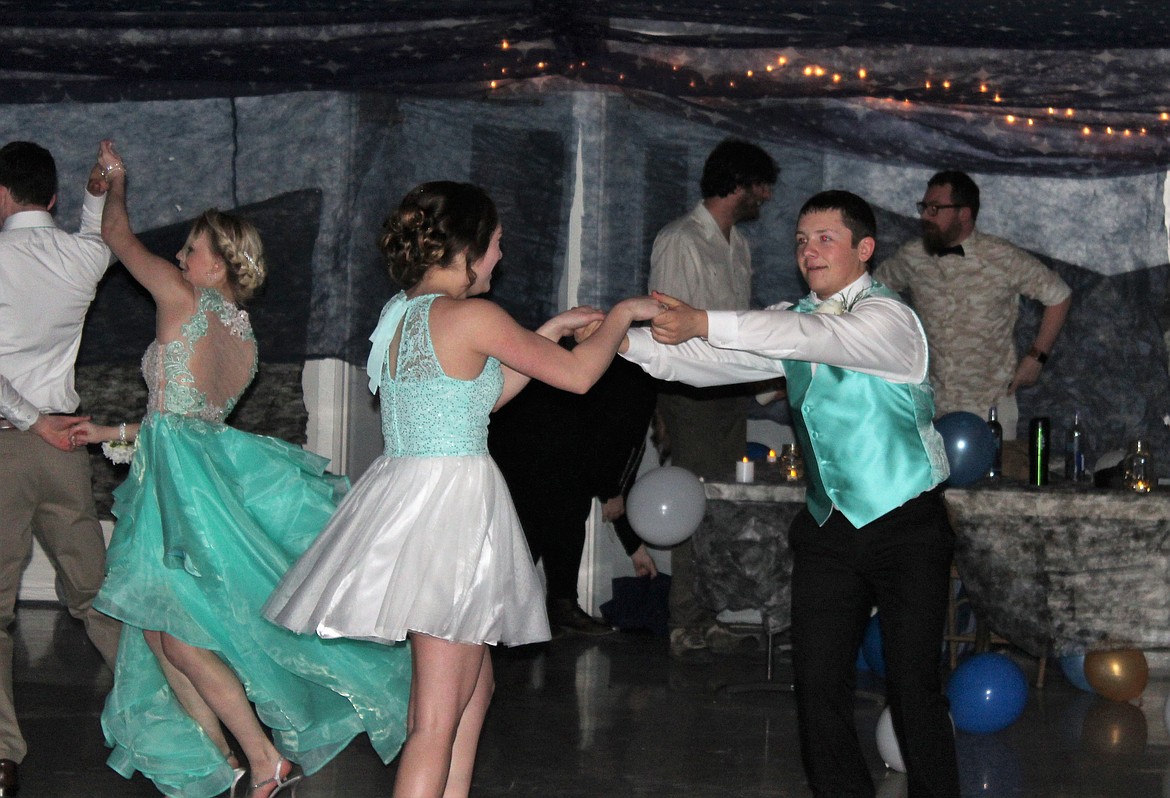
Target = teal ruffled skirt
(209,520)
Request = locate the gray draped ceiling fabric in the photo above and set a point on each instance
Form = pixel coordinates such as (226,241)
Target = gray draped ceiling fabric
(1054,87)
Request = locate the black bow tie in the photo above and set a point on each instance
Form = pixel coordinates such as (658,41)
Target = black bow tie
(957,249)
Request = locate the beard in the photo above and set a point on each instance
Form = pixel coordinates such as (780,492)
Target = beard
(935,238)
(747,209)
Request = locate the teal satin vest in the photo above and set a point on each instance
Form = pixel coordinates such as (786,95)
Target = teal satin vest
(870,444)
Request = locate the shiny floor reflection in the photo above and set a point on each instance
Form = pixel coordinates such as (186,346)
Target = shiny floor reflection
(617,717)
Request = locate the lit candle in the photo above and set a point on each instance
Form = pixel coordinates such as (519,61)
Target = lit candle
(745,471)
(771,455)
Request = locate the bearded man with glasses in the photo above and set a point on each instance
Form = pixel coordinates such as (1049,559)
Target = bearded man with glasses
(965,286)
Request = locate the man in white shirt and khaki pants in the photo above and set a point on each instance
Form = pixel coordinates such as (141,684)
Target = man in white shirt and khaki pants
(47,280)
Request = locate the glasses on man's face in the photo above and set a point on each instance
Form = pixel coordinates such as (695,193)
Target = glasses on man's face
(932,208)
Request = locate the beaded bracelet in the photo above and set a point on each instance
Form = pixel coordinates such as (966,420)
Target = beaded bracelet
(120,451)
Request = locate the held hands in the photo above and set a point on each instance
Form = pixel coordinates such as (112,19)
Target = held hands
(109,162)
(679,322)
(640,308)
(60,432)
(108,165)
(583,333)
(85,431)
(96,184)
(571,322)
(637,308)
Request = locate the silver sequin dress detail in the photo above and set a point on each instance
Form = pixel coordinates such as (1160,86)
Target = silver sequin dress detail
(209,519)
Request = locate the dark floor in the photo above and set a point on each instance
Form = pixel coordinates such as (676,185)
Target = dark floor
(616,717)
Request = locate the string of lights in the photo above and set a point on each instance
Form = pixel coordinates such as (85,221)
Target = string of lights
(773,78)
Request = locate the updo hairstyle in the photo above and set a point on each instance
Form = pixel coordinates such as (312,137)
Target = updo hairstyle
(236,242)
(436,224)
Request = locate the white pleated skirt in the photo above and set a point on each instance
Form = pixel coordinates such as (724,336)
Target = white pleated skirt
(420,544)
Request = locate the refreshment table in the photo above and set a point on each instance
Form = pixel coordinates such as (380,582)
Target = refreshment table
(742,560)
(1064,568)
(1059,569)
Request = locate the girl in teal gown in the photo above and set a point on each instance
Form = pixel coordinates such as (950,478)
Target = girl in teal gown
(208,521)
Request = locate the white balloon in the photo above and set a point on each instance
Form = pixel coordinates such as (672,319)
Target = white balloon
(887,742)
(666,505)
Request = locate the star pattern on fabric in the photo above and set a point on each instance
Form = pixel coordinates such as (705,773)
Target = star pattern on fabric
(959,75)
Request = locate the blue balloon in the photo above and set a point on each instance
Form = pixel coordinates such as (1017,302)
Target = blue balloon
(757,451)
(871,647)
(863,666)
(987,693)
(1073,666)
(970,446)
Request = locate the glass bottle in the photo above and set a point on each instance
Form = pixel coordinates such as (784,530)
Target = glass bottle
(1139,468)
(1074,450)
(1038,434)
(996,470)
(791,463)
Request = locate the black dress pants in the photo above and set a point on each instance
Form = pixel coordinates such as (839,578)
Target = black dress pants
(900,563)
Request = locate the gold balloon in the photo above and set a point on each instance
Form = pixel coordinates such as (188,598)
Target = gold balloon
(1117,675)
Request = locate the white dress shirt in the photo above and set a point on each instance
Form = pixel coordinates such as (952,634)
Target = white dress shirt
(15,409)
(877,336)
(47,280)
(692,261)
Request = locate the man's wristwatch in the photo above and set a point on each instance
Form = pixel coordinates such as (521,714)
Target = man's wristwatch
(1041,357)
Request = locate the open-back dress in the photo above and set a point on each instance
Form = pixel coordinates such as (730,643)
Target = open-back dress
(208,521)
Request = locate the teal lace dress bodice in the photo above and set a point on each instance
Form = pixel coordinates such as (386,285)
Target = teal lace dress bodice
(167,367)
(425,413)
(208,520)
(428,540)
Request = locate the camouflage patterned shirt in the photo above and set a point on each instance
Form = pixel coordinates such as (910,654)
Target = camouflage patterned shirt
(969,305)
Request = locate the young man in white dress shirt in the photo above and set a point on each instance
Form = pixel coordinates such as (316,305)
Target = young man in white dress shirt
(47,280)
(874,530)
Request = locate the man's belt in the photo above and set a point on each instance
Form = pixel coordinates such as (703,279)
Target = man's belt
(6,424)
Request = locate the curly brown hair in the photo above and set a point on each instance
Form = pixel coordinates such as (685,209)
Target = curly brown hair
(436,224)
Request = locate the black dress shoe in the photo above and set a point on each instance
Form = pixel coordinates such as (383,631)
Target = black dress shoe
(9,778)
(565,614)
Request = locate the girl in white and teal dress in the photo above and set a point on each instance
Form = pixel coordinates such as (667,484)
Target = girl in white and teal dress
(427,546)
(208,521)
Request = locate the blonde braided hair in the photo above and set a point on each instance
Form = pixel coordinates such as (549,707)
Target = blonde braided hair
(236,241)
